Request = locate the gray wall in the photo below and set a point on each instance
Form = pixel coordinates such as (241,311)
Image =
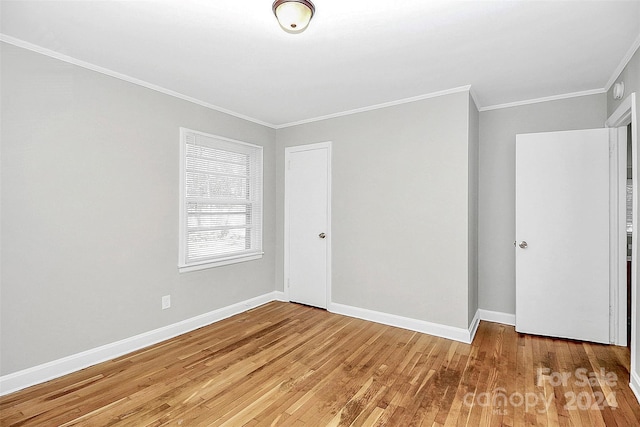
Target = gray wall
(90,203)
(90,211)
(498,129)
(400,219)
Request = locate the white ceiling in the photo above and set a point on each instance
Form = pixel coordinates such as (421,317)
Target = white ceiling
(232,54)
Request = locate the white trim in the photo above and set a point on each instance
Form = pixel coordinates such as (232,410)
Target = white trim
(184,130)
(71,60)
(621,187)
(287,152)
(634,236)
(473,326)
(634,385)
(623,63)
(497,317)
(623,115)
(208,264)
(379,106)
(473,94)
(329,228)
(47,371)
(618,235)
(436,329)
(544,99)
(57,55)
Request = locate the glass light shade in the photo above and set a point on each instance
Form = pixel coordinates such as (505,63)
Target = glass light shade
(293,16)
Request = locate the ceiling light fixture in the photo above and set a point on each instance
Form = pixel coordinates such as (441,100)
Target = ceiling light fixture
(618,90)
(293,15)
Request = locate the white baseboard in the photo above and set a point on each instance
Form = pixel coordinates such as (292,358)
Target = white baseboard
(47,371)
(497,317)
(443,331)
(634,385)
(473,327)
(57,368)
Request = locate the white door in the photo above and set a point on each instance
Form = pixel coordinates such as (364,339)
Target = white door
(562,234)
(307,223)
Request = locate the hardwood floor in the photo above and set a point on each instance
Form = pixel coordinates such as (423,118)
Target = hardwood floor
(290,365)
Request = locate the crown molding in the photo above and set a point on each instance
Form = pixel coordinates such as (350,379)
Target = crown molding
(625,60)
(71,60)
(474,96)
(544,99)
(379,106)
(53,54)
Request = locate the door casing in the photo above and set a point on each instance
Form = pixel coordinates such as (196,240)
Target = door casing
(626,114)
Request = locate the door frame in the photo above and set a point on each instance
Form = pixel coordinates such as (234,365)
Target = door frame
(287,176)
(625,114)
(617,236)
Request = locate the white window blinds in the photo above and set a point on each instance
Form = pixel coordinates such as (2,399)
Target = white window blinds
(221,201)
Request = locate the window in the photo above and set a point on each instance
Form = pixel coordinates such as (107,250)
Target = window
(220,201)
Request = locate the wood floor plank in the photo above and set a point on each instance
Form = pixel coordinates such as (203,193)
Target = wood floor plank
(285,364)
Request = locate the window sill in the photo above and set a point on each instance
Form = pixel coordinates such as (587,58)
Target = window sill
(213,264)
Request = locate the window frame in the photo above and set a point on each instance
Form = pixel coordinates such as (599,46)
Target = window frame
(184,265)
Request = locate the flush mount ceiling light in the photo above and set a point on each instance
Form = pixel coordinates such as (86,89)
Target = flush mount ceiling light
(293,15)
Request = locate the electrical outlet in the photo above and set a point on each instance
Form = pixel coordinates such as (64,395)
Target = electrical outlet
(166,302)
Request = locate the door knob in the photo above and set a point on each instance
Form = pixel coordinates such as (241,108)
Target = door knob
(322,235)
(523,245)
